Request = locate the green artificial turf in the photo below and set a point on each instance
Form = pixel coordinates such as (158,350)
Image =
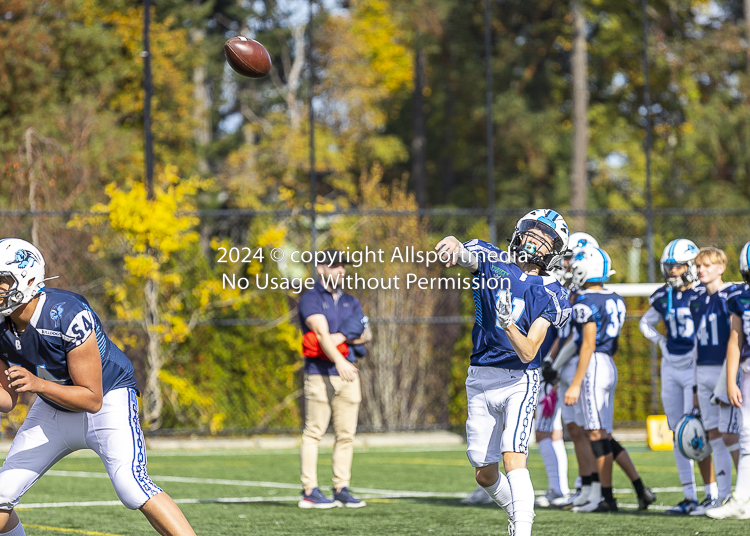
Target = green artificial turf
(408,491)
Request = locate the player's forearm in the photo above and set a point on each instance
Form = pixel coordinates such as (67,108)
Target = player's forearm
(733,350)
(565,354)
(7,401)
(648,324)
(524,347)
(72,397)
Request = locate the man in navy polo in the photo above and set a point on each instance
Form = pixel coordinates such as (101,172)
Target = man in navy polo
(331,383)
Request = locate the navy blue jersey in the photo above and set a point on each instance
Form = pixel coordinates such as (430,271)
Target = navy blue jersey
(605,308)
(533,297)
(711,318)
(62,321)
(674,308)
(739,304)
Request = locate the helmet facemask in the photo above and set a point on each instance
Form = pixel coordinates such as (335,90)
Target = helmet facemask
(11,298)
(686,278)
(536,243)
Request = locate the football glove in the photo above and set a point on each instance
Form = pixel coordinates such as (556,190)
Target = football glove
(549,375)
(504,309)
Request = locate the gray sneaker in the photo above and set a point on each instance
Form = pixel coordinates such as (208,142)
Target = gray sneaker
(545,501)
(707,504)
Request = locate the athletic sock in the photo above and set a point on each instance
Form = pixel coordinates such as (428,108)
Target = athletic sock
(712,490)
(583,497)
(500,493)
(742,487)
(562,465)
(607,495)
(689,491)
(550,464)
(639,487)
(723,463)
(596,492)
(687,475)
(578,483)
(523,501)
(16,531)
(595,495)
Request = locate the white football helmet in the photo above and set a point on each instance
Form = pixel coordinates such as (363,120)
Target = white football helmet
(745,263)
(691,438)
(590,265)
(579,240)
(678,252)
(22,268)
(540,228)
(561,270)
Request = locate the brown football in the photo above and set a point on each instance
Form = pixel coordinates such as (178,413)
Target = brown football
(247,57)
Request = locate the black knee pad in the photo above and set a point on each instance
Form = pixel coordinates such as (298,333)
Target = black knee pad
(616,447)
(601,447)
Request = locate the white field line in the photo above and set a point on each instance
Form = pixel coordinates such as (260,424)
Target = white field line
(233,500)
(283,485)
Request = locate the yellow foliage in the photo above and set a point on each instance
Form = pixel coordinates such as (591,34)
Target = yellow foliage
(186,396)
(273,237)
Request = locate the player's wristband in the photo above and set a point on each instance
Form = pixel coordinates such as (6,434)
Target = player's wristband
(695,389)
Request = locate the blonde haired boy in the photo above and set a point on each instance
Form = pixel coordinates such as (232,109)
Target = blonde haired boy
(710,315)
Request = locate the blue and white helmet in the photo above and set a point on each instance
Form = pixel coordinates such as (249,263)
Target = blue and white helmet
(679,252)
(691,438)
(22,268)
(590,265)
(745,263)
(579,240)
(537,229)
(562,269)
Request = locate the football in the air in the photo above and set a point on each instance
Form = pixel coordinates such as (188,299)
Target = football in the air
(247,57)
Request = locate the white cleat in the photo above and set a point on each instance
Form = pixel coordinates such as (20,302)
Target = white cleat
(564,500)
(511,527)
(586,508)
(545,501)
(477,497)
(732,509)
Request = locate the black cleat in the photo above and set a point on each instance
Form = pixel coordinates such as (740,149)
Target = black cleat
(648,497)
(605,506)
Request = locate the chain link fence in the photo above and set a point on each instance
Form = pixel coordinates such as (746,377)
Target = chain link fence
(239,369)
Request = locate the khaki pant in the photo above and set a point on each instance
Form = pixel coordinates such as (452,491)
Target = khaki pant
(323,394)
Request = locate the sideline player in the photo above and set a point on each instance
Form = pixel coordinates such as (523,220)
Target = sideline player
(671,304)
(565,362)
(516,301)
(738,352)
(549,434)
(710,315)
(598,316)
(53,344)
